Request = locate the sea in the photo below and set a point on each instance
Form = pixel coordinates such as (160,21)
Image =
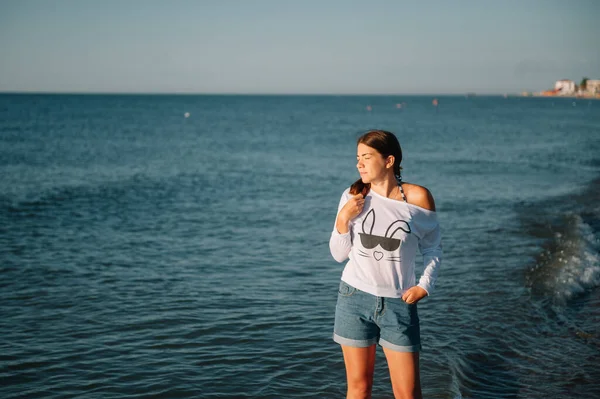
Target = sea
(176,246)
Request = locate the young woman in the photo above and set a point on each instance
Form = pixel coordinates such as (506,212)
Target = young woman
(380,223)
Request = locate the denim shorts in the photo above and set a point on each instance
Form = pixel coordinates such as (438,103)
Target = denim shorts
(362,319)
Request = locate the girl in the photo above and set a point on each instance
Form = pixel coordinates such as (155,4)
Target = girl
(380,223)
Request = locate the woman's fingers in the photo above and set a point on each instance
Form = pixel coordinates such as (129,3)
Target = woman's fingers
(355,206)
(406,296)
(360,202)
(414,295)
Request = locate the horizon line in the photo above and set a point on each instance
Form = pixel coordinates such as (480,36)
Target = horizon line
(175,93)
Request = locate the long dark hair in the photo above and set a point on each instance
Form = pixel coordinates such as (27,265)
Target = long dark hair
(386,144)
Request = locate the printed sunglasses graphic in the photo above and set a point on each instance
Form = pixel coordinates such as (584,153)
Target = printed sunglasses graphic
(387,242)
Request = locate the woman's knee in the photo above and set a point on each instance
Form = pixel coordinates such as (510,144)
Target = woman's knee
(360,386)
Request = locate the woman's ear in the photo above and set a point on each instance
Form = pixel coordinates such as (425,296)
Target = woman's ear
(389,161)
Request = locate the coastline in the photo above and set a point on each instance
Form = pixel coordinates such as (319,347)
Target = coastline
(573,96)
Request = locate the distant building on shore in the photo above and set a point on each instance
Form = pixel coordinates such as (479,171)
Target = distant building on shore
(592,86)
(588,88)
(565,87)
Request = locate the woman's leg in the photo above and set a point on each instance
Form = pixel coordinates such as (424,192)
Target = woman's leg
(404,373)
(360,366)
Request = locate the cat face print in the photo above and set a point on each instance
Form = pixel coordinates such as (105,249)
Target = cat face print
(389,243)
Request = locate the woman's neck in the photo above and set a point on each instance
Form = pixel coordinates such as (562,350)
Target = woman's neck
(386,187)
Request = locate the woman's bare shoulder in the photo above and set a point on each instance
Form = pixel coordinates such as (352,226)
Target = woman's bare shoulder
(419,196)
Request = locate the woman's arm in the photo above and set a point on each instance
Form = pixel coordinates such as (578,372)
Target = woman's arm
(430,243)
(340,242)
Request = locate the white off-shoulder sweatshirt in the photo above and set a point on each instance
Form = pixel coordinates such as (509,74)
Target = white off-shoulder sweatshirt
(381,246)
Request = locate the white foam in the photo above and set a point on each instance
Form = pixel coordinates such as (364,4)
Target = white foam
(576,262)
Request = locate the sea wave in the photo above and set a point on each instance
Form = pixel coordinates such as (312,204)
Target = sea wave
(569,263)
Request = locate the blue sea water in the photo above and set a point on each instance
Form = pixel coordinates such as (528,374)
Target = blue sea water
(145,254)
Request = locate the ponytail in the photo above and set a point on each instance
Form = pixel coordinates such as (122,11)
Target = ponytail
(358,187)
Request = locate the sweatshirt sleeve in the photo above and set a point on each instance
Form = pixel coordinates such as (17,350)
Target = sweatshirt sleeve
(340,244)
(430,246)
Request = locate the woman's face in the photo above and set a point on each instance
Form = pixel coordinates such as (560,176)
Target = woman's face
(371,164)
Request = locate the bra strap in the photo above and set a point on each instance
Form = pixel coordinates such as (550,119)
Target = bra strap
(402,192)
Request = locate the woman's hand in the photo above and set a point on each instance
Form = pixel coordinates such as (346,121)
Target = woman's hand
(414,295)
(349,211)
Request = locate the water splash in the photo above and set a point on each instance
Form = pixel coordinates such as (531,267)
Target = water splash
(570,262)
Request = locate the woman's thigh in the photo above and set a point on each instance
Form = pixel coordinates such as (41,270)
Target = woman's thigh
(404,373)
(360,365)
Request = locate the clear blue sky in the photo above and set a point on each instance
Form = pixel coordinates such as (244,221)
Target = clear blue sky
(297,46)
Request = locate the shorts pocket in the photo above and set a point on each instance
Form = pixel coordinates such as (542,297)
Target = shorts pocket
(346,289)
